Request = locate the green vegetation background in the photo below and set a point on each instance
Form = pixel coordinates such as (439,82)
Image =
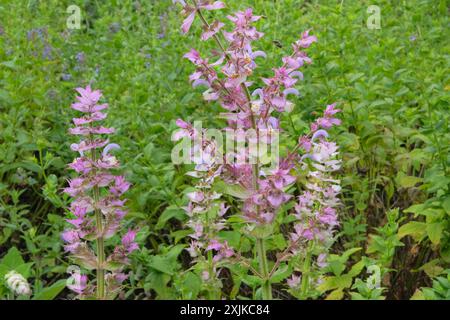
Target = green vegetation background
(392,83)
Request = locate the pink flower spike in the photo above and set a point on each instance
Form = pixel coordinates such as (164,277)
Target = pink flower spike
(196,196)
(187,23)
(128,241)
(193,56)
(96,116)
(330,110)
(214,245)
(87,100)
(213,29)
(120,186)
(306,40)
(294,281)
(214,6)
(80,283)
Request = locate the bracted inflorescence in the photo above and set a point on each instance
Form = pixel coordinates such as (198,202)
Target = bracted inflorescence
(266,189)
(316,216)
(205,209)
(97,209)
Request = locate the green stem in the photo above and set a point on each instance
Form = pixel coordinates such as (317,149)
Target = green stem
(305,273)
(100,241)
(262,259)
(100,250)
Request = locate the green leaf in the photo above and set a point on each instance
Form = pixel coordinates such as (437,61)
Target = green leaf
(51,292)
(277,241)
(179,235)
(13,259)
(432,269)
(446,205)
(234,190)
(25,269)
(337,294)
(252,281)
(161,264)
(166,263)
(349,252)
(158,281)
(191,285)
(434,232)
(232,237)
(338,282)
(169,213)
(405,181)
(414,228)
(282,273)
(416,209)
(356,268)
(418,295)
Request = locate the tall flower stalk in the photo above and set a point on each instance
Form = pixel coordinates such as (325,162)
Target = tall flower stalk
(228,82)
(97,209)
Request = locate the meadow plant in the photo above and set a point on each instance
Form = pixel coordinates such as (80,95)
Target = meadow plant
(263,191)
(97,208)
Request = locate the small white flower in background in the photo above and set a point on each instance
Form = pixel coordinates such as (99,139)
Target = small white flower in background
(17,283)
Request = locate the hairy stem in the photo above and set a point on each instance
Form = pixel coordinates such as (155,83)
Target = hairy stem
(305,274)
(100,250)
(100,240)
(262,259)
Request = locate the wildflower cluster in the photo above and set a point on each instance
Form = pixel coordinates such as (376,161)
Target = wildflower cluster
(97,209)
(315,211)
(265,189)
(205,209)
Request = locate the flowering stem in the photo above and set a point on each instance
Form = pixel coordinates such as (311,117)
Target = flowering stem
(100,241)
(306,271)
(267,290)
(100,250)
(262,259)
(214,294)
